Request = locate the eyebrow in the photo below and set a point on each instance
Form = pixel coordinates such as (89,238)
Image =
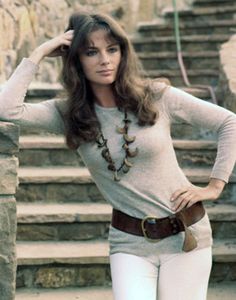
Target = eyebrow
(110,45)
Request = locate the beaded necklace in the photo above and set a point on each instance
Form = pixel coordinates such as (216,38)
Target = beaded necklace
(126,164)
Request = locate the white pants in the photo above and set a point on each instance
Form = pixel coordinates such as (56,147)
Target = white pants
(181,276)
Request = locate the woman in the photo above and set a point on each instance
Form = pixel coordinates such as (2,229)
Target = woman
(120,125)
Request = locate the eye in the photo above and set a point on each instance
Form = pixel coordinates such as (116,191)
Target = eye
(113,49)
(91,52)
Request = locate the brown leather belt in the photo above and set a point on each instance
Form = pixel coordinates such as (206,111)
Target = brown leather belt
(155,229)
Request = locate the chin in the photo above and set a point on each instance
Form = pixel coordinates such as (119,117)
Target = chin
(107,81)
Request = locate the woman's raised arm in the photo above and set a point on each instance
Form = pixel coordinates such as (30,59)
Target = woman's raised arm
(41,115)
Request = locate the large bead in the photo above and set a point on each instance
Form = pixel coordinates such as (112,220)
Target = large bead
(125,146)
(125,168)
(116,178)
(121,130)
(128,163)
(111,167)
(131,153)
(129,139)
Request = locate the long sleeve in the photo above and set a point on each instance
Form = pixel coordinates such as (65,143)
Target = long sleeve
(42,115)
(185,108)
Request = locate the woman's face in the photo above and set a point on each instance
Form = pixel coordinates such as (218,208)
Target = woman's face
(100,61)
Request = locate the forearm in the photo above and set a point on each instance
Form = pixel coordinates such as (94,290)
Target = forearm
(14,91)
(37,55)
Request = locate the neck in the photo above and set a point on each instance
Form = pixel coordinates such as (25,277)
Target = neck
(104,96)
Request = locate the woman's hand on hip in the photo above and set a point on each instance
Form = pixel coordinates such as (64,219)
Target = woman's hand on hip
(52,48)
(187,196)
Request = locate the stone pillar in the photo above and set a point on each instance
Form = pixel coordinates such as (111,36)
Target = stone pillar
(8,181)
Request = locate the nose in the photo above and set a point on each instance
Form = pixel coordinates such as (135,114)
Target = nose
(105,59)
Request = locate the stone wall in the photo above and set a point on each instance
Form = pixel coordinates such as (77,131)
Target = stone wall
(227,81)
(24,24)
(8,181)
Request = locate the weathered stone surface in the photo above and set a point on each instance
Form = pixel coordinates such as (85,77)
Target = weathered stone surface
(190,43)
(36,233)
(216,291)
(49,157)
(9,135)
(168,60)
(69,252)
(7,247)
(58,277)
(66,232)
(8,175)
(188,28)
(56,192)
(66,276)
(76,269)
(223,230)
(26,24)
(227,80)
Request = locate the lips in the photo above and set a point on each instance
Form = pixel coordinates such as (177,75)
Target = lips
(105,71)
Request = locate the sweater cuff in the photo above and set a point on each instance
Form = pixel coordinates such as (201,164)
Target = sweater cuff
(220,174)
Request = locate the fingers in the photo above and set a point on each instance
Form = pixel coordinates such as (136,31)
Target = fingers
(185,200)
(67,39)
(61,44)
(185,197)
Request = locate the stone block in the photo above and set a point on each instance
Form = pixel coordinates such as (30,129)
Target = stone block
(7,247)
(93,275)
(37,232)
(49,157)
(8,175)
(73,232)
(83,231)
(57,277)
(56,192)
(9,137)
(224,230)
(223,272)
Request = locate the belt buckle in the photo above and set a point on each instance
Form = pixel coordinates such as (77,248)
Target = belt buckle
(151,219)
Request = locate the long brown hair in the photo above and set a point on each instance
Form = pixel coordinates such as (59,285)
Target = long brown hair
(130,88)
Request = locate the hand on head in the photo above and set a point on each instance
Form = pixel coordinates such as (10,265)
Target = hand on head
(58,45)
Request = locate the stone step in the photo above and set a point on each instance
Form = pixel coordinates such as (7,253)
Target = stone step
(169,61)
(196,76)
(224,12)
(71,184)
(39,91)
(216,291)
(51,150)
(192,43)
(209,27)
(90,293)
(64,264)
(207,3)
(91,221)
(36,150)
(62,221)
(44,90)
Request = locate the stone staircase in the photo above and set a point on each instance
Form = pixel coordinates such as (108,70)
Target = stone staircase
(63,220)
